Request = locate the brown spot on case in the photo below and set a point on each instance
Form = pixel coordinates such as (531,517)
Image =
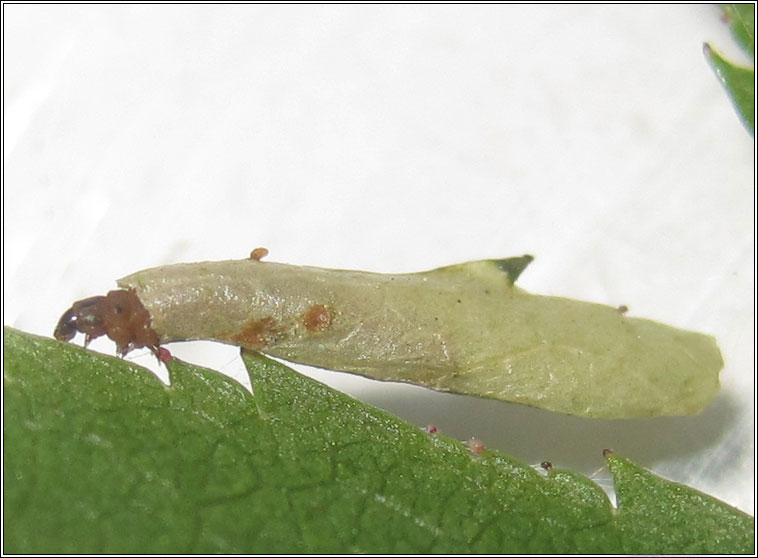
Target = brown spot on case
(317,318)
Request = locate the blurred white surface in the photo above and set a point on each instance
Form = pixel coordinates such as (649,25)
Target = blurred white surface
(399,138)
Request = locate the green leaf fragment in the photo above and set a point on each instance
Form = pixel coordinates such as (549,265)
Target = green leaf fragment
(100,457)
(741,19)
(683,515)
(739,82)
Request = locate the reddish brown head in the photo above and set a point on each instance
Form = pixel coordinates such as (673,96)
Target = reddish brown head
(120,315)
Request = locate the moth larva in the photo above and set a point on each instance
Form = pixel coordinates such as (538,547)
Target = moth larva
(463,328)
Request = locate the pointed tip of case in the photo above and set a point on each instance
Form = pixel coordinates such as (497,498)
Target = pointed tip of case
(514,266)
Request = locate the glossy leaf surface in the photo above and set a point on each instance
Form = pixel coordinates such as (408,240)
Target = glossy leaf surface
(101,457)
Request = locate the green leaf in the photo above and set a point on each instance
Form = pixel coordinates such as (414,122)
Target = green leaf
(668,512)
(100,457)
(741,18)
(739,82)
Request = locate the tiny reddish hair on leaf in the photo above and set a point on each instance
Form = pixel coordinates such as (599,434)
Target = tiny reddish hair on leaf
(430,429)
(164,355)
(546,465)
(476,446)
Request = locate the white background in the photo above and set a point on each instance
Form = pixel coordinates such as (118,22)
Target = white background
(397,139)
